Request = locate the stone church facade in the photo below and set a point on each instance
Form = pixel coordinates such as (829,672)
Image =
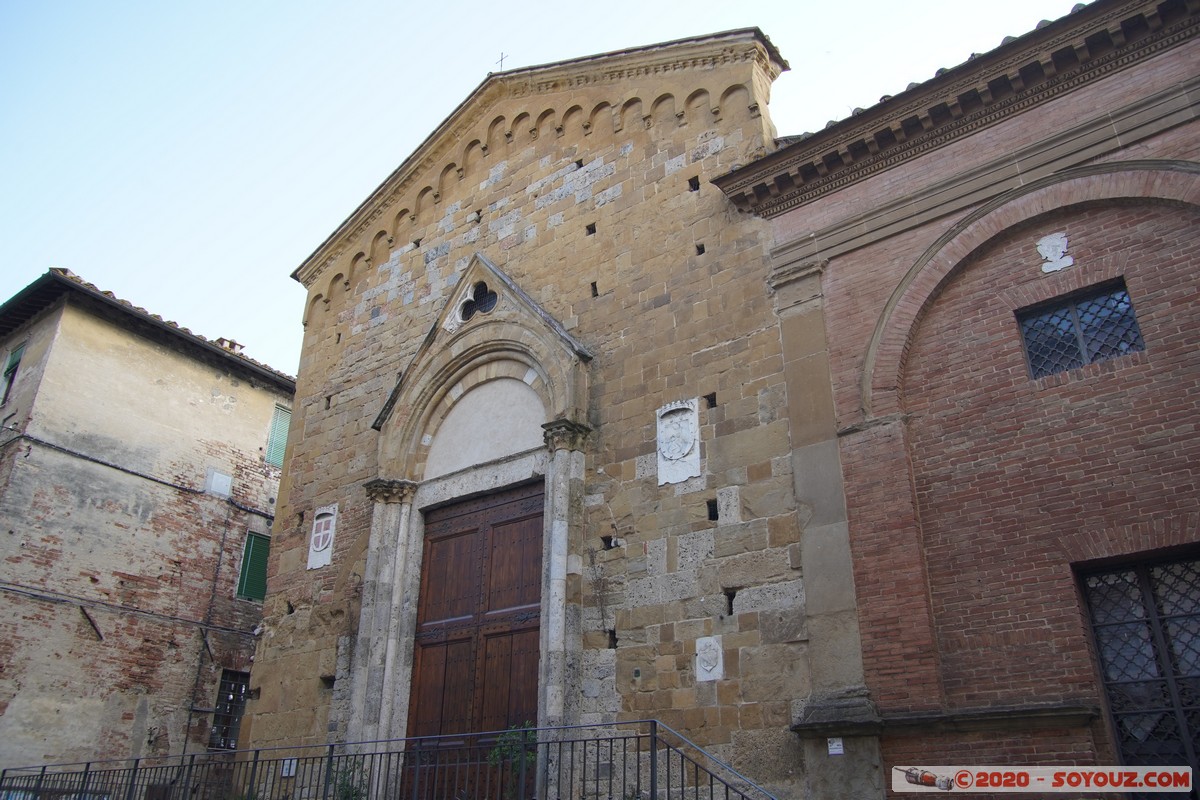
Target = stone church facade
(550,314)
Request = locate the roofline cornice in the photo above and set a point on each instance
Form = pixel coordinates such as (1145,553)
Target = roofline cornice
(1087,44)
(605,68)
(56,284)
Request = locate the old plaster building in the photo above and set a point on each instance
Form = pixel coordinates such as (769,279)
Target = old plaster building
(138,469)
(998,270)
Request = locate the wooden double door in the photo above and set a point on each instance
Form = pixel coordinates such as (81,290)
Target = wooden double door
(475,663)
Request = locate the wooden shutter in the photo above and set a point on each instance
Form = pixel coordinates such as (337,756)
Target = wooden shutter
(253,581)
(14,358)
(277,439)
(10,371)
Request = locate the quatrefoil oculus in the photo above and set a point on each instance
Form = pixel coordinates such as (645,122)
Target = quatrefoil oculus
(482,300)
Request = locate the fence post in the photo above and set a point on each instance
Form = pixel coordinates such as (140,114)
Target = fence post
(129,792)
(653,759)
(87,776)
(252,789)
(37,789)
(521,768)
(184,791)
(328,774)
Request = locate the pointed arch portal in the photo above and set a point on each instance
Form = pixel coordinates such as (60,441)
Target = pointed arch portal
(481,468)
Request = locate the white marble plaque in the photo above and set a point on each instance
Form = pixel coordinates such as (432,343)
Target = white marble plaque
(1053,249)
(320,543)
(678,441)
(710,659)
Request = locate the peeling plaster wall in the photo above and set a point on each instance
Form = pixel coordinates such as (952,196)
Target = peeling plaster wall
(109,547)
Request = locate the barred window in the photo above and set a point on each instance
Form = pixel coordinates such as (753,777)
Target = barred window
(1080,329)
(227,713)
(1146,626)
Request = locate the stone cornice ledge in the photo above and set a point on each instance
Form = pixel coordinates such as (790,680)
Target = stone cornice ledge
(790,273)
(1087,142)
(1082,47)
(966,720)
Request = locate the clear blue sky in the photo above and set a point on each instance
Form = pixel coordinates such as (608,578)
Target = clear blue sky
(187,156)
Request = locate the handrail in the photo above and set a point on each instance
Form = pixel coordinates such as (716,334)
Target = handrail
(713,758)
(642,759)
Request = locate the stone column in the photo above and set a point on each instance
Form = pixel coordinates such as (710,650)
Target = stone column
(372,684)
(561,633)
(838,705)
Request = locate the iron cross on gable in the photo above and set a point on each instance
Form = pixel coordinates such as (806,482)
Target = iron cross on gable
(501,61)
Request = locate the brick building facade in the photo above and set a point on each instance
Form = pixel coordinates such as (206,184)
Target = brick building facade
(136,489)
(1002,262)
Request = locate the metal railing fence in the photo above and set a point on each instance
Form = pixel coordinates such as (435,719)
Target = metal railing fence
(643,760)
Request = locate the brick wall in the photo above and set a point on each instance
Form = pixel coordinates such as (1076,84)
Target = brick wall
(970,512)
(974,492)
(1004,466)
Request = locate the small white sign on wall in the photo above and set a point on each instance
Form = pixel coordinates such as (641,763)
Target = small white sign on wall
(1053,250)
(678,441)
(710,659)
(320,544)
(218,483)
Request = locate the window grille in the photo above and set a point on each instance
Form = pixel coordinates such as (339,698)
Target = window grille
(1080,330)
(227,713)
(1146,624)
(482,300)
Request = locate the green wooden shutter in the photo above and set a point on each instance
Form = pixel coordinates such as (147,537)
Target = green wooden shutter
(14,358)
(10,371)
(277,439)
(253,581)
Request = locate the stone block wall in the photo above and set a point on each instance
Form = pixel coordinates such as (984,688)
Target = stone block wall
(600,209)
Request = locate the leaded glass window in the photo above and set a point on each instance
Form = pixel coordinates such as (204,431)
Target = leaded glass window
(1080,329)
(1146,624)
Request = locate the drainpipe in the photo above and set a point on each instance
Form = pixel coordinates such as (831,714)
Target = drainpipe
(208,614)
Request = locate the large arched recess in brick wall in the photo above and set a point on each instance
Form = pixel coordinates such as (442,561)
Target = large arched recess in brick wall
(884,361)
(999,523)
(494,398)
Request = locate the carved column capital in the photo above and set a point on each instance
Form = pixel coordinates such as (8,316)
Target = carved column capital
(385,491)
(563,434)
